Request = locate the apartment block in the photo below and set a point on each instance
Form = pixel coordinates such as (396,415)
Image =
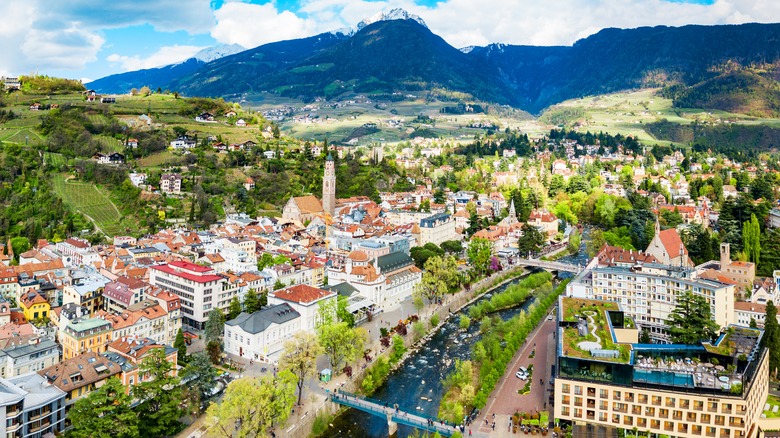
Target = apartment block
(30,407)
(197,287)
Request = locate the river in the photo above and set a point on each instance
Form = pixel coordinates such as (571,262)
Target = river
(417,385)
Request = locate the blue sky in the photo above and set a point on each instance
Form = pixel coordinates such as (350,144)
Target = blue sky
(89,39)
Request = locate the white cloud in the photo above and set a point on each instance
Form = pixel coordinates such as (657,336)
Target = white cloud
(164,56)
(193,16)
(252,25)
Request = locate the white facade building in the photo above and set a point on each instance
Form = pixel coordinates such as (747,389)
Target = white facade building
(305,300)
(197,287)
(263,333)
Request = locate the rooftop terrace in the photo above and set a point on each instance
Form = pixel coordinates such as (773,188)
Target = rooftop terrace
(593,348)
(587,330)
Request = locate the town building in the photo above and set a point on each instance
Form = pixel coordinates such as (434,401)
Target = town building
(128,352)
(606,384)
(86,290)
(305,300)
(31,407)
(28,356)
(197,286)
(262,334)
(78,376)
(668,248)
(436,229)
(170,183)
(85,335)
(34,305)
(122,293)
(302,209)
(146,319)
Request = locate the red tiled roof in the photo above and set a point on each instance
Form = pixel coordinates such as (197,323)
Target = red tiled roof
(301,293)
(205,278)
(672,242)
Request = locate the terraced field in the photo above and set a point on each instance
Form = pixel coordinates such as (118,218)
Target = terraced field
(91,202)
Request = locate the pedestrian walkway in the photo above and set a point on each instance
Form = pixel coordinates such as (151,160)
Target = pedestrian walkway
(392,413)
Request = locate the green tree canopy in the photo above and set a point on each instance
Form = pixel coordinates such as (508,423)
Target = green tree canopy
(751,239)
(252,406)
(104,413)
(234,309)
(771,339)
(160,396)
(691,320)
(201,377)
(215,326)
(300,357)
(251,301)
(479,252)
(181,345)
(531,241)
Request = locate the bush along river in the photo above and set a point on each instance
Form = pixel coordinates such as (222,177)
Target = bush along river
(416,385)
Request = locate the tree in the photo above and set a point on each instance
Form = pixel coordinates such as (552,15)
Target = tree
(252,406)
(479,252)
(234,309)
(452,246)
(444,268)
(596,242)
(341,343)
(531,241)
(251,301)
(342,312)
(644,337)
(751,239)
(180,345)
(160,396)
(771,339)
(691,320)
(300,357)
(104,413)
(201,378)
(215,326)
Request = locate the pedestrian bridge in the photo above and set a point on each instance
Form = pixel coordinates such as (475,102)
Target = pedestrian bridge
(393,415)
(549,266)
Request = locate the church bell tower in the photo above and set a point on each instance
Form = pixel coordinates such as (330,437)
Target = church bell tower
(329,186)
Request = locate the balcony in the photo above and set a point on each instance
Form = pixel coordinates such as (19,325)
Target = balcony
(677,416)
(42,414)
(40,427)
(713,407)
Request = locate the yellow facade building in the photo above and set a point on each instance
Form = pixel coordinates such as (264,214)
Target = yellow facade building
(34,305)
(85,335)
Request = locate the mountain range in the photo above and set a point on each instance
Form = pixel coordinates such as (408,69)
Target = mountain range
(396,52)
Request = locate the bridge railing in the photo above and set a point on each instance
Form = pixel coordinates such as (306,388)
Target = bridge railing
(378,408)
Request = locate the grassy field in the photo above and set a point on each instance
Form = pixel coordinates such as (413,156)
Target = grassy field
(91,202)
(54,159)
(627,112)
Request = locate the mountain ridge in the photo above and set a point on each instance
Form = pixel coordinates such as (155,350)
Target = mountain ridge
(402,54)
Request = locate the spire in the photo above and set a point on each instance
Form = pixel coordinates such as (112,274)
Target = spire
(512,212)
(329,157)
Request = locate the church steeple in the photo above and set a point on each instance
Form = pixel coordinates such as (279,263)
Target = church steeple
(329,186)
(512,212)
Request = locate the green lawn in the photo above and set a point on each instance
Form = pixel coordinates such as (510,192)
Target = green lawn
(90,201)
(773,401)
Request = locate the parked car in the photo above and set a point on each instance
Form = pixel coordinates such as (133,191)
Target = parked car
(521,375)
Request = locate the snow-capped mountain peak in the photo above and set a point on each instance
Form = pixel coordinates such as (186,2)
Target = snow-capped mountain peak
(213,53)
(394,14)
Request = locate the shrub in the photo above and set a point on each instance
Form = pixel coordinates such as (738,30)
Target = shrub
(434,320)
